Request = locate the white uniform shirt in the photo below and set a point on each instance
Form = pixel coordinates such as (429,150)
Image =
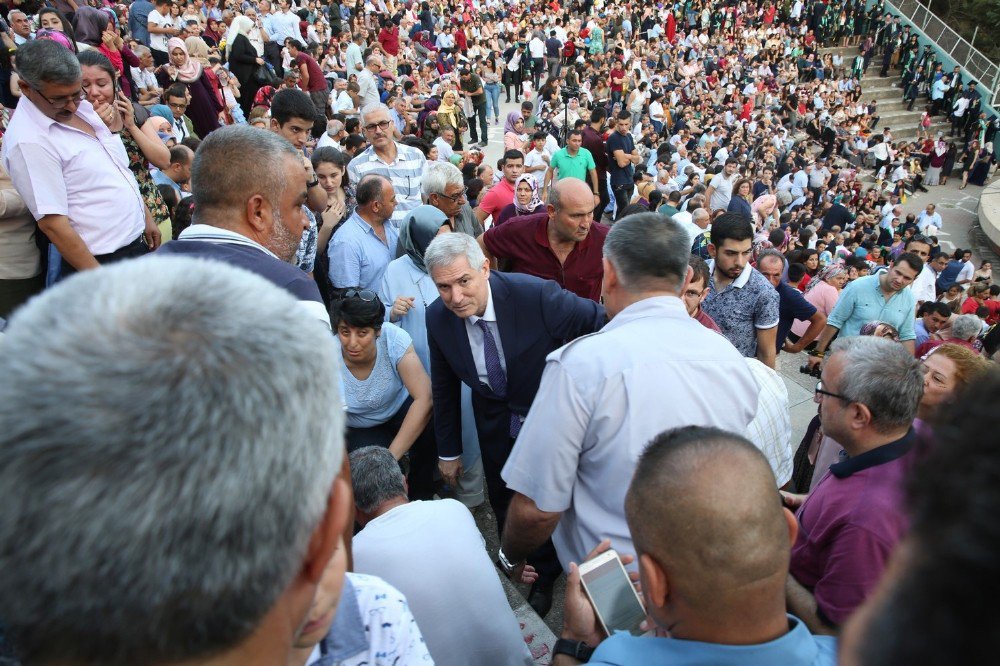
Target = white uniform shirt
(603,398)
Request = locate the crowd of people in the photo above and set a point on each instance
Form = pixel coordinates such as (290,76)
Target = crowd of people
(315,332)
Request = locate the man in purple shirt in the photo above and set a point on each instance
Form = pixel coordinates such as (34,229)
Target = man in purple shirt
(853,519)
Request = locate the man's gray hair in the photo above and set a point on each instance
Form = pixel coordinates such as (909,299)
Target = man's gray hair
(166,455)
(967,326)
(883,375)
(438,176)
(445,249)
(375,477)
(648,250)
(41,61)
(219,190)
(372,108)
(372,59)
(141,51)
(771,254)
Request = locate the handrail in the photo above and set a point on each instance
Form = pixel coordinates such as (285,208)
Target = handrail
(973,61)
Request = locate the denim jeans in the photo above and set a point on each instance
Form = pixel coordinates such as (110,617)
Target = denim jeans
(492,100)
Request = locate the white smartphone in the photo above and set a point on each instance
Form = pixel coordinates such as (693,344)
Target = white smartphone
(616,603)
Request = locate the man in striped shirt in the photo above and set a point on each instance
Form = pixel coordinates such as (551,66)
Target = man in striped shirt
(401,164)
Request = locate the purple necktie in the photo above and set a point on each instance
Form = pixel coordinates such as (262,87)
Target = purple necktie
(495,373)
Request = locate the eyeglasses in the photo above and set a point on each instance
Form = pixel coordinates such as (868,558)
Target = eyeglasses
(819,391)
(64,101)
(366,295)
(175,105)
(457,198)
(384,125)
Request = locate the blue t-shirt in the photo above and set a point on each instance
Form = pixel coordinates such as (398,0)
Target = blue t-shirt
(375,400)
(620,175)
(796,648)
(793,305)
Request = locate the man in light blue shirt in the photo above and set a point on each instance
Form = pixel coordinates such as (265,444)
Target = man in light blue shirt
(364,246)
(283,25)
(713,549)
(883,297)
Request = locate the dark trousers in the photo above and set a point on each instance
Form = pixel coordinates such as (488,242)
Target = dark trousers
(14,293)
(272,54)
(623,196)
(602,183)
(420,461)
(544,559)
(537,67)
(319,99)
(513,80)
(160,58)
(136,248)
(480,112)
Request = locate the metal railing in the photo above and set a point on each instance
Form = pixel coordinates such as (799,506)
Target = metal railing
(949,42)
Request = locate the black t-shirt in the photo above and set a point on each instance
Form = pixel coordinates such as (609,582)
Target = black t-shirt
(625,143)
(837,216)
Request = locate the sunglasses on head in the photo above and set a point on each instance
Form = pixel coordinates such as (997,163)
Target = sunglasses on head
(366,295)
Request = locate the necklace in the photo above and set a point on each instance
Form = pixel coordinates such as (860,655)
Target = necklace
(420,292)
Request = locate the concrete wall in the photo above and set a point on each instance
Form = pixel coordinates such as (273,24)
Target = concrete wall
(989,213)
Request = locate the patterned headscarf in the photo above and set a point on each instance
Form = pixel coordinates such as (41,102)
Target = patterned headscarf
(535,202)
(828,273)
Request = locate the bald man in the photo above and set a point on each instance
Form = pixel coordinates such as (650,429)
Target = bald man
(713,542)
(561,243)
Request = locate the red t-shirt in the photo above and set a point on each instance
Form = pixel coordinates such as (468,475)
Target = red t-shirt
(316,80)
(617,78)
(525,241)
(497,198)
(389,39)
(971,305)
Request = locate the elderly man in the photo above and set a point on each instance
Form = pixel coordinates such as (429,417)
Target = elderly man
(69,169)
(713,578)
(238,222)
(852,520)
(792,305)
(601,398)
(444,188)
(20,26)
(160,469)
(400,542)
(361,250)
(368,80)
(563,243)
(492,332)
(401,164)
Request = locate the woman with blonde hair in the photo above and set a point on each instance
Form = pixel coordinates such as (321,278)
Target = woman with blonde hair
(948,370)
(450,114)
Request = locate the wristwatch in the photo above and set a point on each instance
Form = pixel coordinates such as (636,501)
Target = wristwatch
(506,565)
(576,649)
(312,183)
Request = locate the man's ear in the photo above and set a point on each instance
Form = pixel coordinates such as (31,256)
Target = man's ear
(655,581)
(259,213)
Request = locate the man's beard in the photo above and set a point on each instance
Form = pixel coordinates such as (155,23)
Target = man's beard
(283,242)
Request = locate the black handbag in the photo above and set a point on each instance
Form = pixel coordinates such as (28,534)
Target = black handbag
(263,75)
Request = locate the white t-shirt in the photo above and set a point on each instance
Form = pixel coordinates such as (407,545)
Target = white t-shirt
(536,47)
(433,553)
(445,151)
(158,42)
(534,158)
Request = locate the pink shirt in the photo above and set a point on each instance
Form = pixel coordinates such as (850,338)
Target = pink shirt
(60,170)
(823,296)
(499,197)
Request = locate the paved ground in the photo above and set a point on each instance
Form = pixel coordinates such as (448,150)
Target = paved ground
(960,229)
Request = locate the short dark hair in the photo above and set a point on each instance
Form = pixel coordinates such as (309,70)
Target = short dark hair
(513,155)
(796,273)
(292,103)
(574,132)
(937,307)
(357,312)
(731,226)
(700,269)
(598,114)
(369,188)
(177,90)
(180,155)
(915,262)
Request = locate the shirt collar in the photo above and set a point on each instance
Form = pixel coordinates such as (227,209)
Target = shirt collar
(655,306)
(490,314)
(346,637)
(739,282)
(877,456)
(210,234)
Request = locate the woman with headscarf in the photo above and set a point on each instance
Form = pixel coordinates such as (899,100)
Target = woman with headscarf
(198,51)
(450,115)
(981,167)
(407,290)
(823,291)
(243,61)
(763,210)
(514,136)
(204,107)
(425,129)
(95,28)
(212,34)
(526,200)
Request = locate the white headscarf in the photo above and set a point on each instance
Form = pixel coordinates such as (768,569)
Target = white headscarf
(241,25)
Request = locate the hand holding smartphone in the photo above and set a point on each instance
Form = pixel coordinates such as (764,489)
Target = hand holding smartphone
(616,603)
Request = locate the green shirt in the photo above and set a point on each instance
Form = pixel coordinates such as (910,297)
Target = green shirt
(568,166)
(474,83)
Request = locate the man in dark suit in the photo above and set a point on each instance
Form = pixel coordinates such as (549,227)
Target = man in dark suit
(492,331)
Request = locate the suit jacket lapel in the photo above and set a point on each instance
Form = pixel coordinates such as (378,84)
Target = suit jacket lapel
(461,334)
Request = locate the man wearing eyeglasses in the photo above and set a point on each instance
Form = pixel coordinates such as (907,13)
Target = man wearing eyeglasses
(71,171)
(403,165)
(851,522)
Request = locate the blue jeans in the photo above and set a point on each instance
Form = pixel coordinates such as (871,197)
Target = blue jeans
(492,99)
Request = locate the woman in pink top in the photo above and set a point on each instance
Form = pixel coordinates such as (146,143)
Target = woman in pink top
(823,292)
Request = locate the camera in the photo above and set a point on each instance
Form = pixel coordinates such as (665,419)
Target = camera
(806,370)
(570,92)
